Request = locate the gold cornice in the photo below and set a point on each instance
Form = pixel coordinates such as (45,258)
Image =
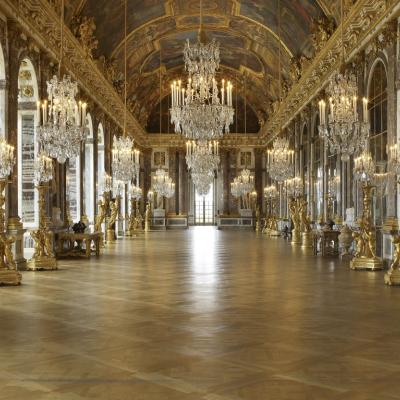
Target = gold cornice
(39,20)
(229,140)
(364,19)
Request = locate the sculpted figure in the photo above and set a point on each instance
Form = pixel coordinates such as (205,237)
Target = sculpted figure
(113,214)
(100,216)
(305,221)
(396,256)
(43,243)
(5,252)
(360,245)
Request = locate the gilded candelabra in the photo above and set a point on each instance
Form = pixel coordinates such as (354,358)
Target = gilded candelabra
(139,218)
(258,220)
(147,218)
(365,254)
(8,273)
(43,256)
(111,225)
(295,209)
(306,231)
(392,277)
(271,222)
(133,222)
(101,215)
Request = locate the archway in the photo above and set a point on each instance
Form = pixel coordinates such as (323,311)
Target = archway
(27,147)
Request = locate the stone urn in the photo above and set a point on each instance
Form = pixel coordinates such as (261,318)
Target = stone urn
(345,241)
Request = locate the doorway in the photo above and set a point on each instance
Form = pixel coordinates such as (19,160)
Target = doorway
(204,207)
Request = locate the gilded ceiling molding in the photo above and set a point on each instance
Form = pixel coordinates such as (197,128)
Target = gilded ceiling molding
(228,141)
(39,18)
(366,18)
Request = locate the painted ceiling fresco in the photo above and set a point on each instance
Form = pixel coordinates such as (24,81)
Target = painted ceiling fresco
(247,31)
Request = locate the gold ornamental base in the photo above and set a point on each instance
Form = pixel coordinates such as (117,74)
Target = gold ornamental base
(110,236)
(296,237)
(364,263)
(10,277)
(272,233)
(306,240)
(44,263)
(392,277)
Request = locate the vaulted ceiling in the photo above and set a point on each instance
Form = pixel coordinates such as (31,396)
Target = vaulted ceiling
(247,31)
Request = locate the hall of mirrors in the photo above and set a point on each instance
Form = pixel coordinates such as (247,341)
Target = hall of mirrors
(124,124)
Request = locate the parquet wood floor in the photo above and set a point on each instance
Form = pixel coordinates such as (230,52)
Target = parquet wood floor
(200,315)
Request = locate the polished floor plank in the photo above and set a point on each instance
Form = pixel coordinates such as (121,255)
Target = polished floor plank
(200,314)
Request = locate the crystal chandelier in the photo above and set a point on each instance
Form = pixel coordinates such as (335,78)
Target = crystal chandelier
(107,183)
(270,192)
(201,110)
(7,159)
(394,160)
(280,160)
(135,192)
(202,159)
(364,168)
(203,181)
(162,184)
(61,119)
(243,184)
(43,169)
(293,186)
(125,159)
(344,132)
(202,156)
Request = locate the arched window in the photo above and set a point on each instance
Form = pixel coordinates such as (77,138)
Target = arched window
(2,94)
(378,112)
(88,175)
(27,147)
(100,161)
(377,95)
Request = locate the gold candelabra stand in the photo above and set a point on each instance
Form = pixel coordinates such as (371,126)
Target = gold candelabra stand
(43,256)
(392,277)
(101,215)
(365,254)
(271,222)
(306,231)
(258,220)
(147,217)
(8,270)
(112,221)
(133,222)
(294,211)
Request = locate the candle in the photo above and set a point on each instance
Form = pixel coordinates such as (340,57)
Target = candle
(38,113)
